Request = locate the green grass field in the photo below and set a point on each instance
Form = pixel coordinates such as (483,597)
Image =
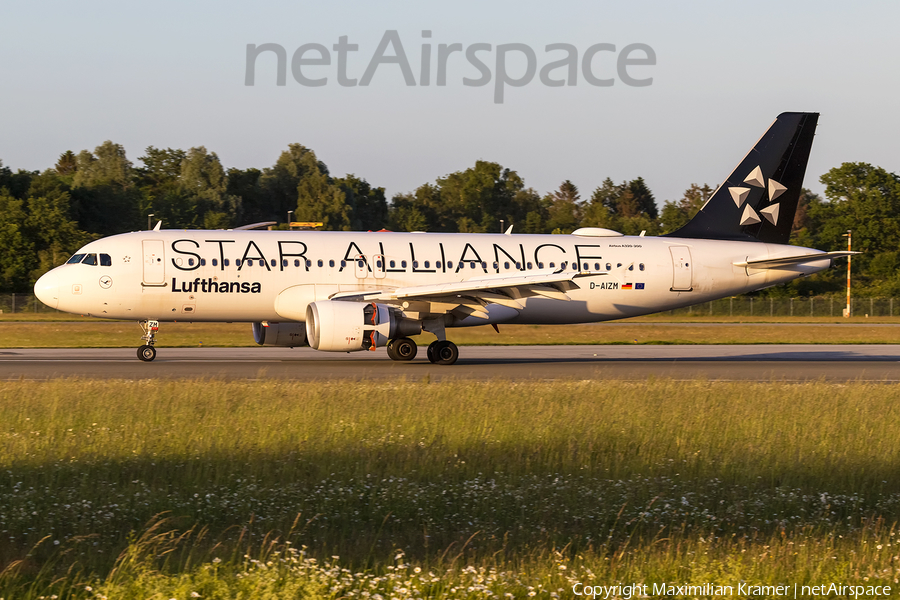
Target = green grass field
(278,489)
(104,334)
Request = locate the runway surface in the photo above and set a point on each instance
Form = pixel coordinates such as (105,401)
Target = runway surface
(750,363)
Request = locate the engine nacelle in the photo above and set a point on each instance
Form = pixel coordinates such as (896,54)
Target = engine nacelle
(336,326)
(288,335)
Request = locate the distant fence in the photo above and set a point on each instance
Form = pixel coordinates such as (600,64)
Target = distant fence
(814,306)
(739,306)
(23,303)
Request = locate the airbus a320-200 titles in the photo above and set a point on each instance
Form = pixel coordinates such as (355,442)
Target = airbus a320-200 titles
(353,291)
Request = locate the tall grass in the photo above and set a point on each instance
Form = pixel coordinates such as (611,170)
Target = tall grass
(622,480)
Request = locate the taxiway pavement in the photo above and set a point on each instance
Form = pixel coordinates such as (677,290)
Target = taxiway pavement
(715,362)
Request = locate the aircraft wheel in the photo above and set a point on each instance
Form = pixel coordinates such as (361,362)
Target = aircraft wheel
(402,349)
(445,353)
(146,353)
(432,357)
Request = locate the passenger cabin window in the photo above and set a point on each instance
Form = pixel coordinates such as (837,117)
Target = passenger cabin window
(552,265)
(237,262)
(319,262)
(190,262)
(225,262)
(393,264)
(202,262)
(506,265)
(540,265)
(76,258)
(403,263)
(528,266)
(449,264)
(296,262)
(273,263)
(641,266)
(215,262)
(608,267)
(331,263)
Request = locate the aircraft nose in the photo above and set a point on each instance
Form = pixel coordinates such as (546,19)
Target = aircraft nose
(47,288)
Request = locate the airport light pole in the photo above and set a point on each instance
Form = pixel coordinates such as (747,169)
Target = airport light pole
(290,213)
(847,310)
(150,221)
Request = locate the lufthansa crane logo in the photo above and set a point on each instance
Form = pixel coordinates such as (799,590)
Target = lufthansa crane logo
(740,193)
(106,282)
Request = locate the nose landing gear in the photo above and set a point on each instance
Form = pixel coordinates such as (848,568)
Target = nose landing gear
(147,352)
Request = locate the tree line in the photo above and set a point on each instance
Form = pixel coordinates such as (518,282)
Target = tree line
(46,215)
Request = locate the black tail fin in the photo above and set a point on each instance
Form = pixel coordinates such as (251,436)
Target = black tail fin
(758,200)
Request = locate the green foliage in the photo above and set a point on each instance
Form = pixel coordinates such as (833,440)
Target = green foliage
(105,197)
(475,200)
(676,214)
(628,208)
(564,208)
(36,233)
(368,205)
(18,249)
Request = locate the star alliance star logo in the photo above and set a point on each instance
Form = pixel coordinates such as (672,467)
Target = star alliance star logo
(740,193)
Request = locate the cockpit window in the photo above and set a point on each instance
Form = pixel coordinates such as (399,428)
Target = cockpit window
(90,259)
(77,258)
(105,260)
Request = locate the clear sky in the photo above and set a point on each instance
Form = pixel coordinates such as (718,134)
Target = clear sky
(171,74)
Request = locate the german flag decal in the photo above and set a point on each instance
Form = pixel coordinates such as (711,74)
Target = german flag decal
(626,286)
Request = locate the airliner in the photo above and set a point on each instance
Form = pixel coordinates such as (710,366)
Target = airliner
(361,291)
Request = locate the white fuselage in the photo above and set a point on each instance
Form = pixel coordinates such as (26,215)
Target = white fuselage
(177,275)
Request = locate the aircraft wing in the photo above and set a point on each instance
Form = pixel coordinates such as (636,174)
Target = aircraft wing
(788,261)
(470,297)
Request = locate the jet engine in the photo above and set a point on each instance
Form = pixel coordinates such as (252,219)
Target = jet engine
(336,326)
(289,335)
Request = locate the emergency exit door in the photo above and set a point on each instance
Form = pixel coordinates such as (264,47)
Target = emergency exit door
(682,271)
(154,262)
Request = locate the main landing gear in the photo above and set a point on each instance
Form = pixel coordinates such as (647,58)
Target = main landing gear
(402,349)
(440,352)
(443,352)
(147,352)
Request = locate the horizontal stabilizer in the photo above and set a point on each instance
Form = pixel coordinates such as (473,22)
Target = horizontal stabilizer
(788,261)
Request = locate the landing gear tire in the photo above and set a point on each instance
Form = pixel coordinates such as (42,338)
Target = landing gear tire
(402,349)
(443,352)
(146,353)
